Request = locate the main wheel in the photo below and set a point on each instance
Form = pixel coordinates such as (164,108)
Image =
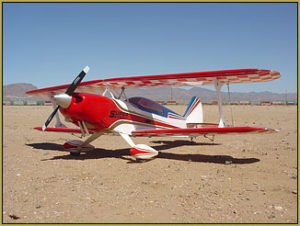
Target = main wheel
(74,146)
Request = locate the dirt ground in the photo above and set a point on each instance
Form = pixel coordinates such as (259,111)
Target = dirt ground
(233,179)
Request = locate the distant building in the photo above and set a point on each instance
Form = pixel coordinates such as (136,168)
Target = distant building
(206,102)
(255,102)
(244,102)
(6,102)
(234,103)
(18,102)
(291,103)
(160,102)
(31,102)
(171,102)
(47,102)
(277,103)
(266,103)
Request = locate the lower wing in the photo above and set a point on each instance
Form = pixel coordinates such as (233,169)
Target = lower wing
(63,130)
(180,132)
(201,131)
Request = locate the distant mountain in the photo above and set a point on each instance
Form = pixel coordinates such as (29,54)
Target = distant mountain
(17,91)
(184,95)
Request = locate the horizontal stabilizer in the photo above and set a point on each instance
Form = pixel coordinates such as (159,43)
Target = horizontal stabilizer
(201,131)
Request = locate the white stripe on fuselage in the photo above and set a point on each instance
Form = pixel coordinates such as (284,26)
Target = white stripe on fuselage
(127,126)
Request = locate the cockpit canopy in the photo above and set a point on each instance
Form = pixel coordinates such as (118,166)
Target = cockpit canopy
(147,105)
(151,106)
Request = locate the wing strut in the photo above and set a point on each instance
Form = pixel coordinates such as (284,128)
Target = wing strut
(123,94)
(218,86)
(109,91)
(232,123)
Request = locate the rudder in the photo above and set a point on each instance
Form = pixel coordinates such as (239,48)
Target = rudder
(194,112)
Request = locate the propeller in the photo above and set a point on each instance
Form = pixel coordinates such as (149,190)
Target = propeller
(64,99)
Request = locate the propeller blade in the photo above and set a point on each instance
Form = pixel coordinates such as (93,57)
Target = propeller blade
(76,81)
(50,118)
(64,99)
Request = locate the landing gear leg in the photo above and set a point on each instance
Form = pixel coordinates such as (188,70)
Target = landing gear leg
(139,151)
(76,146)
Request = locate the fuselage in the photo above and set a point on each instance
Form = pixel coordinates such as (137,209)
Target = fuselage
(101,113)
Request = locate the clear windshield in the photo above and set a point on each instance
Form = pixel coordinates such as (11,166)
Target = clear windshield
(146,104)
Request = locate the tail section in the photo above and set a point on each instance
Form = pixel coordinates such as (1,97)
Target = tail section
(194,112)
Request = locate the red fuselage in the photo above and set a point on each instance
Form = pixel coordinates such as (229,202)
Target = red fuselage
(93,109)
(100,113)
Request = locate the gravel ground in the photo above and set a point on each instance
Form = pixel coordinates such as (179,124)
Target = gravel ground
(233,179)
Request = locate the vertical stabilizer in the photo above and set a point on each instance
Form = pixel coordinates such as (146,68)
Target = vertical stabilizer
(194,111)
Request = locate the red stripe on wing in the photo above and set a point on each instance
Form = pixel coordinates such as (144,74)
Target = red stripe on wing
(167,80)
(202,131)
(63,130)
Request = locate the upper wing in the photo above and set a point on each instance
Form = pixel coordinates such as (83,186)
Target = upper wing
(201,131)
(166,80)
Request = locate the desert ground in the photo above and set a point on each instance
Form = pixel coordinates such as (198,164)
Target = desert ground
(233,179)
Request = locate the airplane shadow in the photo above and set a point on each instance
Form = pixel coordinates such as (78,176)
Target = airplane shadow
(124,154)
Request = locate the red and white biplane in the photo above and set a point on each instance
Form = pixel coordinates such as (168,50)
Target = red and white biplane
(99,107)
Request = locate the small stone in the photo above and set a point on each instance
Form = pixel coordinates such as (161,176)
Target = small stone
(272,215)
(13,216)
(279,208)
(295,192)
(228,162)
(203,178)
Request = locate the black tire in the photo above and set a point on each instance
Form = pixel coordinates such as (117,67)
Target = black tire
(75,153)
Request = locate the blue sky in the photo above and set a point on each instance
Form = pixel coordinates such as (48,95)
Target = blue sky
(48,44)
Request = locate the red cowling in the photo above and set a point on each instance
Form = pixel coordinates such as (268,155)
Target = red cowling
(90,108)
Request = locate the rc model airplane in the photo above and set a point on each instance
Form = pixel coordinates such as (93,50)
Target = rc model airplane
(99,107)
